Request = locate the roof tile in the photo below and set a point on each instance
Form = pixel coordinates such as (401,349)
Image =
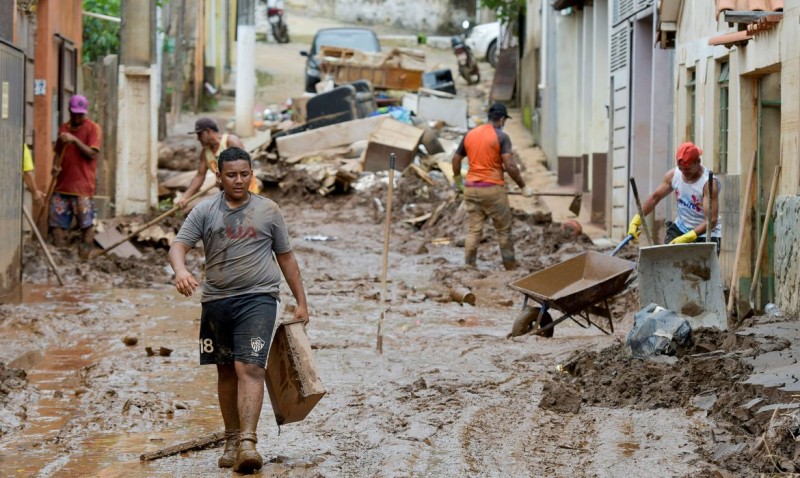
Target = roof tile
(749,5)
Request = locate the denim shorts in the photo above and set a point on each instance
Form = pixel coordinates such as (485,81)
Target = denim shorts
(238,329)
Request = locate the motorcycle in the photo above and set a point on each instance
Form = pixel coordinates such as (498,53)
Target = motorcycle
(277,22)
(467,66)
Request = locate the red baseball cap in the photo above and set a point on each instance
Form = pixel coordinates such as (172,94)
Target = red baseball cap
(688,153)
(78,104)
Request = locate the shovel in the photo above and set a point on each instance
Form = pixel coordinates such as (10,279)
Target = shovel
(574,206)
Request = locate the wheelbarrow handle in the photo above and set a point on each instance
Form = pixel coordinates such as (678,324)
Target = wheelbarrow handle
(621,245)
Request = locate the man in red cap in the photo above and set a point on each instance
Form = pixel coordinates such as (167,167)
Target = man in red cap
(78,146)
(689,180)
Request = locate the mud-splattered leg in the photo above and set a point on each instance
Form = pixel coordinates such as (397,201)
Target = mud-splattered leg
(250,398)
(227,389)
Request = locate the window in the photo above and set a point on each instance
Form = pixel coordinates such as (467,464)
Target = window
(690,92)
(722,82)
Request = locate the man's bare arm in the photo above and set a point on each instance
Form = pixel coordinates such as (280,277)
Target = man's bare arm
(197,180)
(184,280)
(291,271)
(511,168)
(663,190)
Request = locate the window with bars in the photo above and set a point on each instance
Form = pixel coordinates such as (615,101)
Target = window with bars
(722,82)
(691,75)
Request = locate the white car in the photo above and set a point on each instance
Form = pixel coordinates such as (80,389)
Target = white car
(484,40)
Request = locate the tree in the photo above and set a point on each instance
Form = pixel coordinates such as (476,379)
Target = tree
(100,37)
(507,10)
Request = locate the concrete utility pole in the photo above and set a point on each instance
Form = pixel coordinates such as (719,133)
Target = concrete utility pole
(245,66)
(137,126)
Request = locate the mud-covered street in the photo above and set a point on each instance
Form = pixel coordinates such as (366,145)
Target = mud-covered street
(99,371)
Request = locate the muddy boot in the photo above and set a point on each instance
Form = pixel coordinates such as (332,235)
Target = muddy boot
(511,265)
(247,458)
(231,444)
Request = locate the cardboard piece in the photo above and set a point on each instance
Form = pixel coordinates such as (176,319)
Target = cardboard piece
(292,381)
(327,137)
(392,136)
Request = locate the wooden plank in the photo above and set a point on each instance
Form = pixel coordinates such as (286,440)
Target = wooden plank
(111,236)
(327,137)
(505,76)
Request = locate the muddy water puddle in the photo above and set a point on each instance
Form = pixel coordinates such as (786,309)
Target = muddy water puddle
(69,384)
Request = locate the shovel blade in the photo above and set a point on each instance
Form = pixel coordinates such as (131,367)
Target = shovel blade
(575,205)
(684,278)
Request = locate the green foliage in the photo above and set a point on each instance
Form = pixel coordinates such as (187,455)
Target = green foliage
(507,10)
(100,37)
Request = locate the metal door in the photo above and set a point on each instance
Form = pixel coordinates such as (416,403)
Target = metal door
(12,133)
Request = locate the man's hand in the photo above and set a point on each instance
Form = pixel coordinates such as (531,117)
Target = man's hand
(634,228)
(301,313)
(182,201)
(186,283)
(687,238)
(67,138)
(527,191)
(459,181)
(38,197)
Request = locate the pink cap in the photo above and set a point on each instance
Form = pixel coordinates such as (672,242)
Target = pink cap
(78,104)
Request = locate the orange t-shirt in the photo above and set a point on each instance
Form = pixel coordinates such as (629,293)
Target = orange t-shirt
(484,146)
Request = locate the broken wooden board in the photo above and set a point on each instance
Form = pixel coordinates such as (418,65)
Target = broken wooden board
(415,221)
(446,168)
(110,236)
(328,136)
(421,173)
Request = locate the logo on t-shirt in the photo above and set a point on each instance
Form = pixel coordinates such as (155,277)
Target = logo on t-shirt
(257,344)
(240,232)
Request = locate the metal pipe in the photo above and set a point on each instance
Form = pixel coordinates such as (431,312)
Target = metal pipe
(100,16)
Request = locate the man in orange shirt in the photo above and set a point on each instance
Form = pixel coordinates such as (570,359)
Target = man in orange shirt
(79,140)
(488,150)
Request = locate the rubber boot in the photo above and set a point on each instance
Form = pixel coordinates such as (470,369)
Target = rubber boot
(231,445)
(247,458)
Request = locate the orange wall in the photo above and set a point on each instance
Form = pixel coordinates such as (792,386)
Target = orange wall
(52,17)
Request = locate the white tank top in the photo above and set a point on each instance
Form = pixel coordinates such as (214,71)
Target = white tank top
(689,197)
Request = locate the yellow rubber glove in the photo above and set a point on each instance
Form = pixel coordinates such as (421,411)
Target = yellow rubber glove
(459,180)
(690,236)
(634,228)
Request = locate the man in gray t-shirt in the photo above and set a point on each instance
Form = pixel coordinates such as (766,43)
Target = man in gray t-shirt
(246,249)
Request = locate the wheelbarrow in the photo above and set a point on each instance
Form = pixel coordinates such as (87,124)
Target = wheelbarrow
(578,287)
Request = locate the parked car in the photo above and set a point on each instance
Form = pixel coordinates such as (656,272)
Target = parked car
(362,39)
(484,41)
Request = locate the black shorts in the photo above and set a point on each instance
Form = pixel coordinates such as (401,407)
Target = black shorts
(238,329)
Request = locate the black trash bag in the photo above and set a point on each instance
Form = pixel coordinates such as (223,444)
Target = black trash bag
(657,331)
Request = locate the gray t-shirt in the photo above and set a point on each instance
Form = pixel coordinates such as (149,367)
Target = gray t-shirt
(238,245)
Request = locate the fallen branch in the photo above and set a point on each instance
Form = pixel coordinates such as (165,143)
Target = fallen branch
(209,441)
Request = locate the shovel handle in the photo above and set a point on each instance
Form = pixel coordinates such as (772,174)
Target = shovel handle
(641,211)
(621,245)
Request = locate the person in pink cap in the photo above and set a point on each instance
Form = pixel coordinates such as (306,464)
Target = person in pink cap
(689,181)
(78,146)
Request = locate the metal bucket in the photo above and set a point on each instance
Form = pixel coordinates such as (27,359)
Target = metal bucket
(684,278)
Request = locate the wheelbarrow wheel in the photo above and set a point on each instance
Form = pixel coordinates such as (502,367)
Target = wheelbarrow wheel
(526,322)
